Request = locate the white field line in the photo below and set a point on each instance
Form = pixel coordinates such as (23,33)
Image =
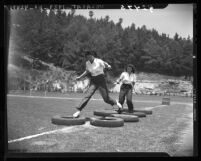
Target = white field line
(62,130)
(65,98)
(179,103)
(44,133)
(150,108)
(73,98)
(68,98)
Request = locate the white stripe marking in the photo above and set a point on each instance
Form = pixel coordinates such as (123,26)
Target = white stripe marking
(188,104)
(67,98)
(150,108)
(63,130)
(10,95)
(41,134)
(71,98)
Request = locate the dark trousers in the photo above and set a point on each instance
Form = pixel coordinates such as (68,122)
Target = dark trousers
(97,82)
(126,91)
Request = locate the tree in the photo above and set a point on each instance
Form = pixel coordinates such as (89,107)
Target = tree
(107,18)
(91,13)
(176,37)
(61,38)
(120,22)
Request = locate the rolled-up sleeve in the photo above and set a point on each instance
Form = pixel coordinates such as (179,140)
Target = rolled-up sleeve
(134,78)
(102,63)
(121,76)
(87,67)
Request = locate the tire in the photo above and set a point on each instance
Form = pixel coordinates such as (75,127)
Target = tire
(67,120)
(107,122)
(104,113)
(148,112)
(126,118)
(139,114)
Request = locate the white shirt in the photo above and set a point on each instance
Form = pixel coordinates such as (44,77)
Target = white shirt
(97,67)
(126,77)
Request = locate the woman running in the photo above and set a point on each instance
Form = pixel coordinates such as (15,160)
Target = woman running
(95,67)
(128,79)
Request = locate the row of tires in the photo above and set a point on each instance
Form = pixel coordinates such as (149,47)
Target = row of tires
(108,118)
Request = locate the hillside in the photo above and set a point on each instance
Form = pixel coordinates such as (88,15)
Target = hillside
(147,83)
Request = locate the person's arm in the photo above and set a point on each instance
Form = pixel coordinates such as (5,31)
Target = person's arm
(82,75)
(107,65)
(85,73)
(134,80)
(104,64)
(119,79)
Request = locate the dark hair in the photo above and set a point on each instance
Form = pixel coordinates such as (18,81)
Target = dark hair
(90,53)
(132,66)
(94,53)
(87,53)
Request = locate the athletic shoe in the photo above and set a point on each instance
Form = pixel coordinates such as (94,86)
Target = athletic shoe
(119,105)
(76,114)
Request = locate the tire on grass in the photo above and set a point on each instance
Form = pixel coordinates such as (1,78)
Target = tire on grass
(126,118)
(104,113)
(139,114)
(107,122)
(67,120)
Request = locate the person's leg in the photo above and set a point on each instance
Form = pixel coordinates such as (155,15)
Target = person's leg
(105,93)
(129,100)
(91,90)
(122,94)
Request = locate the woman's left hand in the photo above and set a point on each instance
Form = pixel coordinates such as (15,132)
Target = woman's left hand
(109,67)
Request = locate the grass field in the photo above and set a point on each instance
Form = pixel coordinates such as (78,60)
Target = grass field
(29,120)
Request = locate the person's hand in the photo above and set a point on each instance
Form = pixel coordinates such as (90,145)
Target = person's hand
(108,67)
(115,83)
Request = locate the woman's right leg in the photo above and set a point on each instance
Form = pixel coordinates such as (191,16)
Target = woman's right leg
(129,100)
(122,94)
(91,90)
(104,90)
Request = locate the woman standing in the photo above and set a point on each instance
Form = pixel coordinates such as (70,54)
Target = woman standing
(128,79)
(95,68)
